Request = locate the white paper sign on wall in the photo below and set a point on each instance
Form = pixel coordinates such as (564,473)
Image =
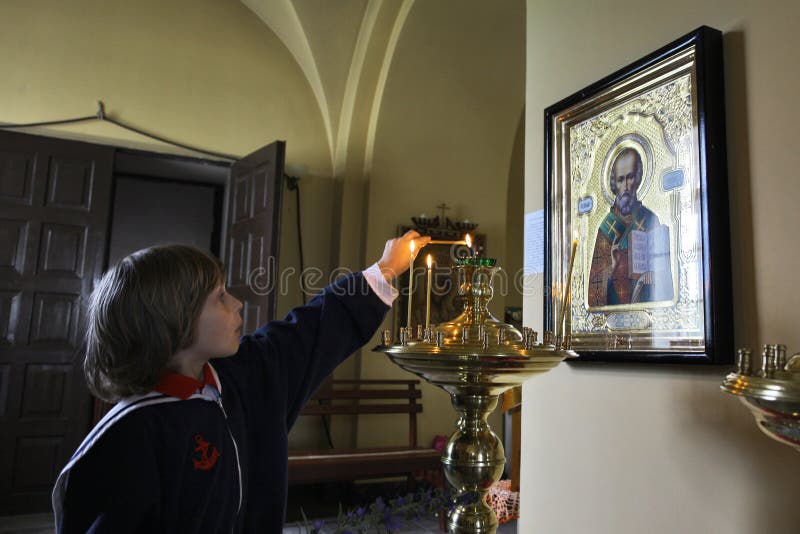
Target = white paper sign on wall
(534,243)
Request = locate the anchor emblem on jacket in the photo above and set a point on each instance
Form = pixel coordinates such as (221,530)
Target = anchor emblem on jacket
(205,461)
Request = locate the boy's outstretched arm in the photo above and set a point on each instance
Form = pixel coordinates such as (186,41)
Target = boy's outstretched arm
(300,351)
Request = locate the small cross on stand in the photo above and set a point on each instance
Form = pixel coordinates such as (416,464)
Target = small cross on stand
(444,207)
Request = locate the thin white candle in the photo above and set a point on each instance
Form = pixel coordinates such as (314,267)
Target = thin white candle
(428,301)
(410,281)
(565,301)
(445,242)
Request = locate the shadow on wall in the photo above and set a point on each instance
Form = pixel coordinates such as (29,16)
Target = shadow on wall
(745,304)
(515,211)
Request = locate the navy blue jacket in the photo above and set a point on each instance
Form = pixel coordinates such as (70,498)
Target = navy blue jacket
(158,463)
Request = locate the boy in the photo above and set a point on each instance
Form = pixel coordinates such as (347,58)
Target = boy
(193,446)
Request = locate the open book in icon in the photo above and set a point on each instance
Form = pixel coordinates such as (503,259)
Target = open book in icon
(649,264)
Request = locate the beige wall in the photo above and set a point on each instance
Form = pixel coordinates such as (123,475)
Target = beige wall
(446,132)
(653,448)
(203,72)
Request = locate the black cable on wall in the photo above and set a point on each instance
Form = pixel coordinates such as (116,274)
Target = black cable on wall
(293,184)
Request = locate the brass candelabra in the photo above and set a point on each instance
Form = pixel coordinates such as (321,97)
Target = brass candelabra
(475,357)
(772,392)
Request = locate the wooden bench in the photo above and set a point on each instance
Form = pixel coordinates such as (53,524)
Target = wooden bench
(364,397)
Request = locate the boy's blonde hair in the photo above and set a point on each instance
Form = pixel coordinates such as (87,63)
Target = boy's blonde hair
(144,310)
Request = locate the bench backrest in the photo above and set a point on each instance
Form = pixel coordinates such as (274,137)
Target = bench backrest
(355,397)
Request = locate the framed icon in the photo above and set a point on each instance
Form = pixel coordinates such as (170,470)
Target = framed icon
(637,180)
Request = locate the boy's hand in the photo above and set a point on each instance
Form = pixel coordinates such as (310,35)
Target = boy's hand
(397,254)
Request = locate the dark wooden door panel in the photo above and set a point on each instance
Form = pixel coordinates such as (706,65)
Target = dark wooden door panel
(16,176)
(13,236)
(5,371)
(253,232)
(54,204)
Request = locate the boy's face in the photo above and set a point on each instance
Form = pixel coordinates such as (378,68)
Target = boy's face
(219,325)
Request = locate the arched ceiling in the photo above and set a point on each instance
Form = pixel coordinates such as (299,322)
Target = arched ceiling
(335,44)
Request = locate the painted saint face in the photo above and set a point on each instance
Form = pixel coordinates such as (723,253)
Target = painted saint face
(625,178)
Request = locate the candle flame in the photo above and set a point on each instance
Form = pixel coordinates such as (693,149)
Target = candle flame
(430,261)
(411,246)
(468,239)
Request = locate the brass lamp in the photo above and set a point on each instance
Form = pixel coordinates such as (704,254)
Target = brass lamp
(772,393)
(475,357)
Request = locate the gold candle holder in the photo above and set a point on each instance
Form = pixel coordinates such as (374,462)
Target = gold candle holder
(475,357)
(771,393)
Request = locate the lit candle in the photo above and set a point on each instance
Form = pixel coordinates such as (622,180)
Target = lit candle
(428,301)
(410,281)
(568,289)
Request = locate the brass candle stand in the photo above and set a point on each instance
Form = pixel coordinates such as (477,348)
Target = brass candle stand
(772,393)
(475,358)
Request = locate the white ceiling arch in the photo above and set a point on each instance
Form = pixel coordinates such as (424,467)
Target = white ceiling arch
(334,44)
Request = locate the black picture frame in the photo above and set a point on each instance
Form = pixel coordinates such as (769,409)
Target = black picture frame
(606,320)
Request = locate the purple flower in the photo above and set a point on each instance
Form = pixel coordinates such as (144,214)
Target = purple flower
(401,501)
(360,511)
(379,502)
(391,522)
(318,524)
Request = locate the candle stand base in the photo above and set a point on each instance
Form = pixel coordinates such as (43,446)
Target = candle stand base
(473,460)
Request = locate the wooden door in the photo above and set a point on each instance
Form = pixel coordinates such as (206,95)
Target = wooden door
(54,203)
(252,238)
